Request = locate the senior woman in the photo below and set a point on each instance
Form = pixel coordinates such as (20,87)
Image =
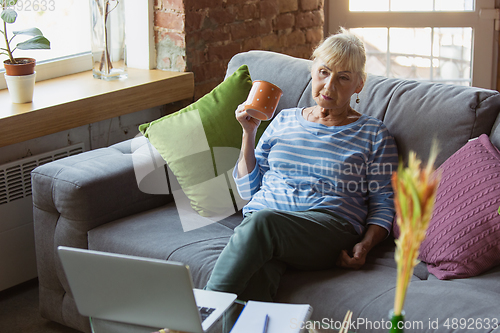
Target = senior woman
(319,182)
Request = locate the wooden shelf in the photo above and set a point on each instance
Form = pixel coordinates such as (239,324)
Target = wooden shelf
(79,99)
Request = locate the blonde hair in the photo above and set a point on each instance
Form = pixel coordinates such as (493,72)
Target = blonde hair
(345,50)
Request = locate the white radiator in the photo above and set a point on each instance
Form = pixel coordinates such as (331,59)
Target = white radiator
(17,244)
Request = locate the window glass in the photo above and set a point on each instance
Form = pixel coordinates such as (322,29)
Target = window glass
(410,6)
(65,23)
(369,5)
(430,54)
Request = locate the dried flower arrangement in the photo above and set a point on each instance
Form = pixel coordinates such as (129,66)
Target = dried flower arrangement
(415,192)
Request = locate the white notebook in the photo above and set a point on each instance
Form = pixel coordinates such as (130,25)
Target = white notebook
(283,318)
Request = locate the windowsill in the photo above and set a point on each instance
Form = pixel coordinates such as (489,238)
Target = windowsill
(79,99)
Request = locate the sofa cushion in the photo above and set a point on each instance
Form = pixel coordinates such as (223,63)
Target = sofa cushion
(158,233)
(414,112)
(292,75)
(463,238)
(417,112)
(201,143)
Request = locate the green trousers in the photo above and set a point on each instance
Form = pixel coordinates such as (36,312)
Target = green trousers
(267,241)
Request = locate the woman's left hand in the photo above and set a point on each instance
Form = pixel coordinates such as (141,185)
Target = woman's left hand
(373,235)
(357,260)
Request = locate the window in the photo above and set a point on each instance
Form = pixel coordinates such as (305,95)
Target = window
(448,41)
(410,6)
(66,23)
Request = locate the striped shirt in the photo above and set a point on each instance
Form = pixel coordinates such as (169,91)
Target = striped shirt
(303,165)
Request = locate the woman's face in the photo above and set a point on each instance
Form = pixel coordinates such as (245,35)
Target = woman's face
(332,88)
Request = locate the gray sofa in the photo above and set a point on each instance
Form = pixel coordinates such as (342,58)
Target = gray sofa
(92,201)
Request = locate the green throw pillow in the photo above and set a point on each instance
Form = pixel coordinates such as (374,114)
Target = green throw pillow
(201,144)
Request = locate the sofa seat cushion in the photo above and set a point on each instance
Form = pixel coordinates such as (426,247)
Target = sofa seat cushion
(332,292)
(438,306)
(158,233)
(345,286)
(369,293)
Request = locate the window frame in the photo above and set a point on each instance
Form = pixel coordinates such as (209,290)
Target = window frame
(141,52)
(483,30)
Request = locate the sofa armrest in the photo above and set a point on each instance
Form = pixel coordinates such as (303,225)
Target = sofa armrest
(76,194)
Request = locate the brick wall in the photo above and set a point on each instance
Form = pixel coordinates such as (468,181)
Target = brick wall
(202,35)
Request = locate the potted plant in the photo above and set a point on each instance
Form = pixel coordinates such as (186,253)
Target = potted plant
(20,72)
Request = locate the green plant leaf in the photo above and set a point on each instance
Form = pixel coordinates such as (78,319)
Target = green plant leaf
(30,31)
(9,15)
(8,3)
(37,42)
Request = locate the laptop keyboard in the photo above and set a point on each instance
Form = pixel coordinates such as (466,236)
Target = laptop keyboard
(205,312)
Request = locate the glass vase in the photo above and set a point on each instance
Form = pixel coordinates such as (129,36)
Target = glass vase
(397,322)
(108,39)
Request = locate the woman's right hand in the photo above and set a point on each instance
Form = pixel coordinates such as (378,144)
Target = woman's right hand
(248,123)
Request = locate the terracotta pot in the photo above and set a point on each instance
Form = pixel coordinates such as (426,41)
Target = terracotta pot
(24,66)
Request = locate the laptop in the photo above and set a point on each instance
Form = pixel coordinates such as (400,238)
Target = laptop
(140,291)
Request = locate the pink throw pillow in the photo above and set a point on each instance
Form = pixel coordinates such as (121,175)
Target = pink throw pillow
(463,238)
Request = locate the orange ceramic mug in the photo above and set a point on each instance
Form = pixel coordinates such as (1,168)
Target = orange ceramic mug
(262,100)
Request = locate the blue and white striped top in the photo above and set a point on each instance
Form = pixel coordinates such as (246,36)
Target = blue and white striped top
(303,165)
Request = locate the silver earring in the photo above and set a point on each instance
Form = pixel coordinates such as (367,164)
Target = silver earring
(357,99)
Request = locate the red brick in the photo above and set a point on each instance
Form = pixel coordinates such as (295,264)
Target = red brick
(180,64)
(208,71)
(194,41)
(239,2)
(282,39)
(269,8)
(247,12)
(285,21)
(300,51)
(194,20)
(243,30)
(201,89)
(270,42)
(174,21)
(249,29)
(222,15)
(219,34)
(195,57)
(176,5)
(286,6)
(179,39)
(266,27)
(218,29)
(297,37)
(201,4)
(252,44)
(223,52)
(167,63)
(309,19)
(309,4)
(314,36)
